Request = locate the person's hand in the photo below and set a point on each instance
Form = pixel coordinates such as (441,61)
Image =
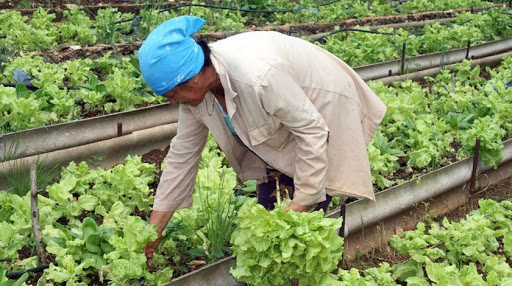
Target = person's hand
(150,248)
(160,219)
(296,207)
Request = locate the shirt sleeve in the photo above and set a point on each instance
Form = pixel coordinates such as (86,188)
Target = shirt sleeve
(284,98)
(177,181)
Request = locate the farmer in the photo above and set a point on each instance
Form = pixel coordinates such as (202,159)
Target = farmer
(273,103)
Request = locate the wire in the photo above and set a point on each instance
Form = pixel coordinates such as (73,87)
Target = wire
(352,30)
(34,88)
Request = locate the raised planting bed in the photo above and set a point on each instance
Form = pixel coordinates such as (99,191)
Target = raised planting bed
(472,249)
(91,6)
(43,34)
(127,6)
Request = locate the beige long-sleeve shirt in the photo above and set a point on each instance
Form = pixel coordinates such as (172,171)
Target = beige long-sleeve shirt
(294,106)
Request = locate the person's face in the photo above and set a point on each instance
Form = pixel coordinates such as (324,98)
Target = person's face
(190,92)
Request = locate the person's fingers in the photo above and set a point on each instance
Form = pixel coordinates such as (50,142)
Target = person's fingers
(148,251)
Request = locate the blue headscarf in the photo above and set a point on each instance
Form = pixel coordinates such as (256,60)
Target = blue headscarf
(169,55)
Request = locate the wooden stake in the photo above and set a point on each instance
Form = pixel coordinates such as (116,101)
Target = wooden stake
(119,129)
(402,66)
(475,166)
(467,49)
(36,227)
(342,229)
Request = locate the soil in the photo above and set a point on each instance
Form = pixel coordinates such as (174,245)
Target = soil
(155,157)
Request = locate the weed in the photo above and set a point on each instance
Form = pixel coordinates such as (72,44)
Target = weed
(15,171)
(24,4)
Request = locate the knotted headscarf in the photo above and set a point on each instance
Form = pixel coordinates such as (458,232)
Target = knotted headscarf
(169,55)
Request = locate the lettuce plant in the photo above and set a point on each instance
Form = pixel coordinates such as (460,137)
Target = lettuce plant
(272,247)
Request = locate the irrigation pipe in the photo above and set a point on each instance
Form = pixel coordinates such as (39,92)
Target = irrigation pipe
(113,151)
(374,31)
(72,134)
(16,275)
(416,24)
(487,61)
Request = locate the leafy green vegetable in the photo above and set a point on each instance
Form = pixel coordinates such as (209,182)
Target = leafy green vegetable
(272,247)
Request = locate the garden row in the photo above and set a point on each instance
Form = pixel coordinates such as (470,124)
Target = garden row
(422,130)
(105,85)
(41,32)
(476,250)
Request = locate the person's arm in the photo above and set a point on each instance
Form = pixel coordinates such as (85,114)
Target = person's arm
(284,98)
(178,178)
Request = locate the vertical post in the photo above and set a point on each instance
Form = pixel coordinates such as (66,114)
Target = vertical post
(119,129)
(402,64)
(346,32)
(475,165)
(342,229)
(369,5)
(467,49)
(190,7)
(36,227)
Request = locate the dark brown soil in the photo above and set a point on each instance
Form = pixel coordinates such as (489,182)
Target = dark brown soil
(155,157)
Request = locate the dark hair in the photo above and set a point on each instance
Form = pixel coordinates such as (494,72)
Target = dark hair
(206,51)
